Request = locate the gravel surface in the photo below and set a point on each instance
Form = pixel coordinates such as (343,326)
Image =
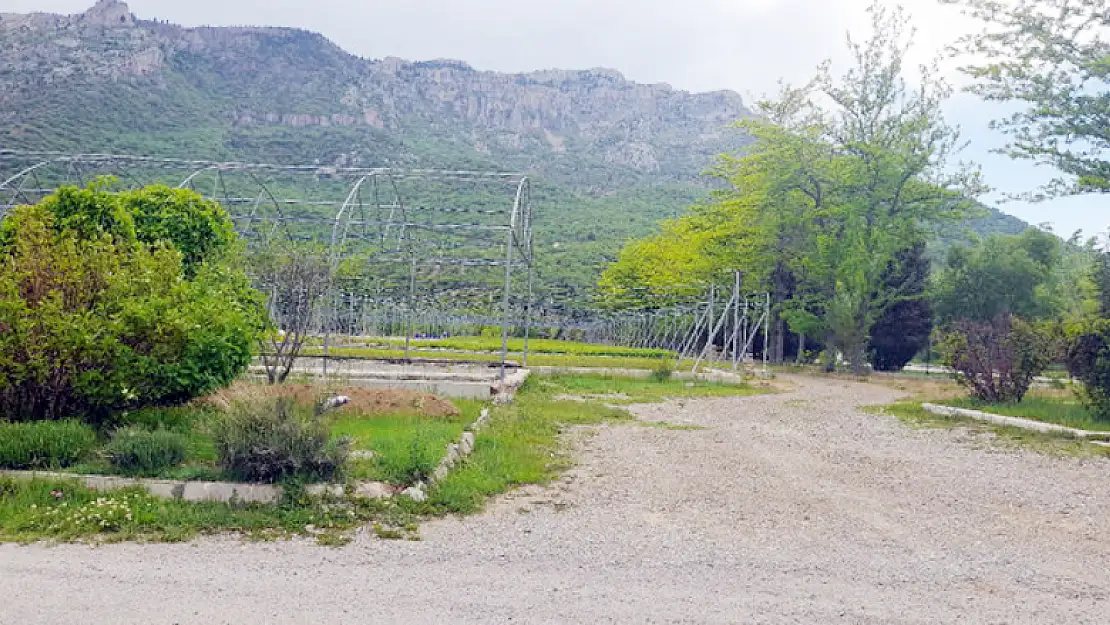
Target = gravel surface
(793,508)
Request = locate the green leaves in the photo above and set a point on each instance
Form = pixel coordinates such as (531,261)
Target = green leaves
(1050,58)
(97,315)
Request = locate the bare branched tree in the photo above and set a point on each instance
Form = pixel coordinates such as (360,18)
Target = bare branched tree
(295,281)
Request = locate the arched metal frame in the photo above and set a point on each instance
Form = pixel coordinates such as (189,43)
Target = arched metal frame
(29,176)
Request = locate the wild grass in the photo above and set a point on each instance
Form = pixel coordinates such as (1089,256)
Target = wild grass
(522,445)
(911,413)
(406,447)
(516,345)
(534,359)
(66,511)
(624,390)
(1064,410)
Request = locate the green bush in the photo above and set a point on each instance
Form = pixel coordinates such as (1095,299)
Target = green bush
(45,444)
(138,450)
(273,440)
(95,319)
(663,372)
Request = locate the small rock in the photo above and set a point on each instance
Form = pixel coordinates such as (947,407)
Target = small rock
(466,443)
(452,454)
(373,490)
(415,493)
(334,402)
(362,454)
(440,473)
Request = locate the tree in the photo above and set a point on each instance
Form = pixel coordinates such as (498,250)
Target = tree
(1052,58)
(844,174)
(998,275)
(294,279)
(903,329)
(93,320)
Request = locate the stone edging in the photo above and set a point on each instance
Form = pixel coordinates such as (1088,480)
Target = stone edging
(455,452)
(1017,422)
(221,492)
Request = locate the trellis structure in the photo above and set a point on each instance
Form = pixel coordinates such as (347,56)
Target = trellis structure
(452,243)
(695,321)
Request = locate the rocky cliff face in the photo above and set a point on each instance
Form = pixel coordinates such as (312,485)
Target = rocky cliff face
(254,78)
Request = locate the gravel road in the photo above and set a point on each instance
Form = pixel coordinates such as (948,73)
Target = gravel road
(793,508)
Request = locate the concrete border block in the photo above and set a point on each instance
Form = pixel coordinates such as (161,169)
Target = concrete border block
(1016,422)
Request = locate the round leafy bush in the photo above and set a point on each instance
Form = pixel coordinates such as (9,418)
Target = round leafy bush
(95,318)
(272,440)
(137,450)
(44,444)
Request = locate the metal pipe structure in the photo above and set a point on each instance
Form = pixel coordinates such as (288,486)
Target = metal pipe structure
(440,226)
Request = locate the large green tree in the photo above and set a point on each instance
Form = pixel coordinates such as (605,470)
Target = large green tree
(845,174)
(1050,58)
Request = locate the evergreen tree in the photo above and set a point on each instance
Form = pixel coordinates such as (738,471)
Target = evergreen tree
(904,328)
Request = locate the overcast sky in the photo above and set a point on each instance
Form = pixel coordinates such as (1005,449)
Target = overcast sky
(698,45)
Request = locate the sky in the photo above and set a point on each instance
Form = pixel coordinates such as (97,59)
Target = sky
(698,45)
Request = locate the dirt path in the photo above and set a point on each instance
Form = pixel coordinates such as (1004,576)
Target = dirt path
(793,508)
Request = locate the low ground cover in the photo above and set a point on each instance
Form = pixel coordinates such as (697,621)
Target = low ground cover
(405,431)
(64,510)
(1059,408)
(912,414)
(535,360)
(624,390)
(523,446)
(516,345)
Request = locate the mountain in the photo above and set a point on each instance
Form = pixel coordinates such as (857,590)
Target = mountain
(611,156)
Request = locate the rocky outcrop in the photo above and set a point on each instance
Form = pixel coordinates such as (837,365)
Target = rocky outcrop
(293,78)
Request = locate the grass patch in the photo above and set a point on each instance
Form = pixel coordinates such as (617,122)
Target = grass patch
(912,414)
(520,446)
(622,390)
(67,511)
(406,448)
(516,345)
(1061,410)
(534,359)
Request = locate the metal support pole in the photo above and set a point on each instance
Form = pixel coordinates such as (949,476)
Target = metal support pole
(766,331)
(505,302)
(712,303)
(527,316)
(736,324)
(410,309)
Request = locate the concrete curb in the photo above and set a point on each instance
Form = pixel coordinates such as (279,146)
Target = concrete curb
(503,392)
(220,492)
(456,452)
(1017,422)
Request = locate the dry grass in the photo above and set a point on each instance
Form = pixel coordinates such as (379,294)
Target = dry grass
(363,400)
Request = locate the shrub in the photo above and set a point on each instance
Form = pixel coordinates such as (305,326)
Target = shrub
(94,319)
(138,450)
(662,372)
(997,361)
(46,444)
(1088,359)
(273,440)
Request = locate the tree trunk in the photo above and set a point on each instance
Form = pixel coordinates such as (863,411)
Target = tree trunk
(778,354)
(801,348)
